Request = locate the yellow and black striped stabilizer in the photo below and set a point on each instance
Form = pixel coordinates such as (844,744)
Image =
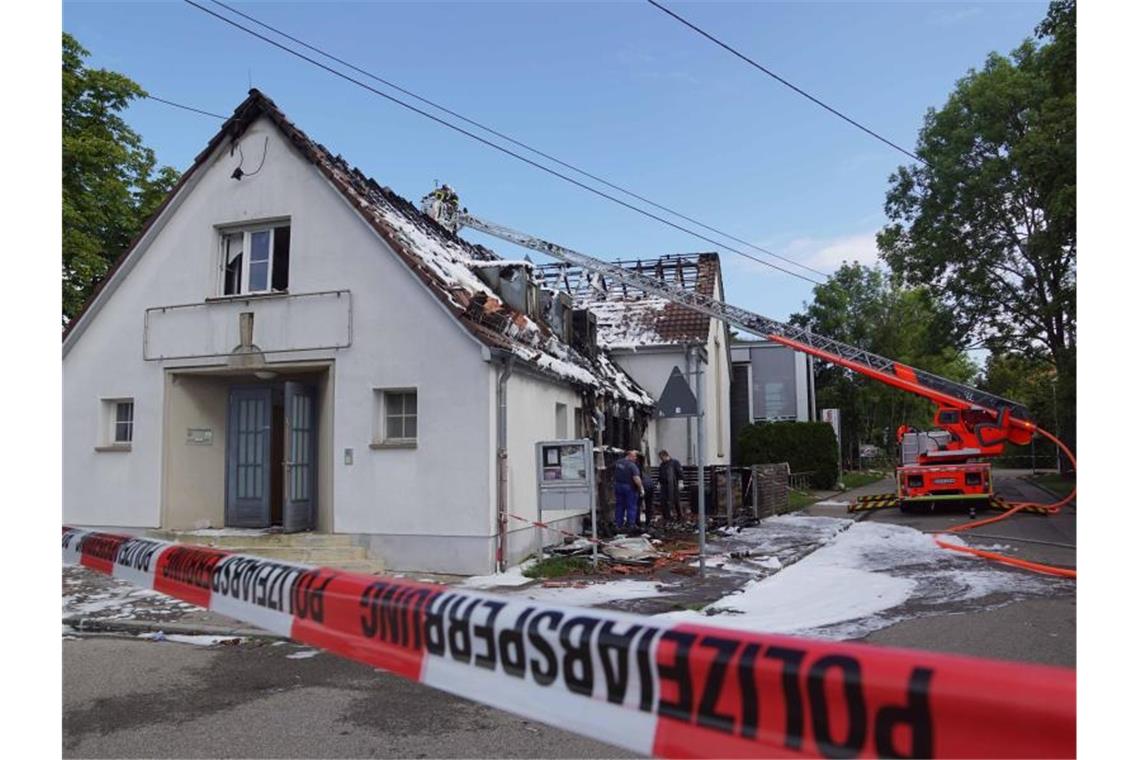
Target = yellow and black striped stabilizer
(1001,505)
(875,501)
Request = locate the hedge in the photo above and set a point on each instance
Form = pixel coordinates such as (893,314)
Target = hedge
(805,446)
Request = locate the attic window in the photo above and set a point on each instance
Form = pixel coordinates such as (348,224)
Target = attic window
(255,260)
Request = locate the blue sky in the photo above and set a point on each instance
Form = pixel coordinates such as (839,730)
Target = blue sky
(617,88)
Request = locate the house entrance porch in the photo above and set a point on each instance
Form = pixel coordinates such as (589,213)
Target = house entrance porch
(245,449)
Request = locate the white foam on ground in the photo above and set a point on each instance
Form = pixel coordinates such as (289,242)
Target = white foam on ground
(866,577)
(201,640)
(594,593)
(512,577)
(304,654)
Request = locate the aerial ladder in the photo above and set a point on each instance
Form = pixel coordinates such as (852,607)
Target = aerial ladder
(934,467)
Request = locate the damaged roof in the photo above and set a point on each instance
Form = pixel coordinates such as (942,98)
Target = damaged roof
(444,262)
(631,319)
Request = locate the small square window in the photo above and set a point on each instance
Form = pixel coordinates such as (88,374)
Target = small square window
(397,417)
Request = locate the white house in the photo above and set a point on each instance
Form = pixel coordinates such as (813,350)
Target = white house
(648,336)
(288,343)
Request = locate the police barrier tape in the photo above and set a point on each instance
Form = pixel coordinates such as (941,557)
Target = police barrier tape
(659,687)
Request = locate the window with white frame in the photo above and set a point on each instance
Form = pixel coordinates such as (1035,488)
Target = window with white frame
(118,428)
(397,415)
(255,259)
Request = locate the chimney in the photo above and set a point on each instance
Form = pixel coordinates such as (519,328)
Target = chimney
(585,332)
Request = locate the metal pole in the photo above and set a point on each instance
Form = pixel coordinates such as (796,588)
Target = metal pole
(728,492)
(755,491)
(600,456)
(700,463)
(594,523)
(501,461)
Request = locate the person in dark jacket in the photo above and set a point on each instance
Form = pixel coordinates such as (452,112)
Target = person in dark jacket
(648,489)
(627,489)
(670,478)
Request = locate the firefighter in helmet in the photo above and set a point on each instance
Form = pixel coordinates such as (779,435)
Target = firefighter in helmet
(446,195)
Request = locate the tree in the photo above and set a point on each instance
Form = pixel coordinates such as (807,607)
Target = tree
(865,307)
(1032,381)
(989,220)
(110,183)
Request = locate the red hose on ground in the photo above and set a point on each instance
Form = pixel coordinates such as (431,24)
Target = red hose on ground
(1052,509)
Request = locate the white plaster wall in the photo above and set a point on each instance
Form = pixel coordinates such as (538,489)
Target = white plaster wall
(530,419)
(651,369)
(402,338)
(717,378)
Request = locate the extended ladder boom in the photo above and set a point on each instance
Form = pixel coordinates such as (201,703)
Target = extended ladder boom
(942,391)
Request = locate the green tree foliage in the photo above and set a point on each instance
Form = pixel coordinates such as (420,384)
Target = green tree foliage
(110,182)
(863,306)
(805,446)
(990,221)
(1032,381)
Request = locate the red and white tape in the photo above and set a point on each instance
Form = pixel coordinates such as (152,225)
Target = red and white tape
(656,687)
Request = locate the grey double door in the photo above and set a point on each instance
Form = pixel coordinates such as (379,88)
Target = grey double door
(271,456)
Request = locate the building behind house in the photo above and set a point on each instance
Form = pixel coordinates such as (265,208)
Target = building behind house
(770,383)
(648,336)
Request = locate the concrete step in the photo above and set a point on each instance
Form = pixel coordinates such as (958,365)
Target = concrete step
(232,538)
(325,549)
(319,555)
(364,566)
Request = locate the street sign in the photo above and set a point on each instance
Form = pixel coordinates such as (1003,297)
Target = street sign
(677,400)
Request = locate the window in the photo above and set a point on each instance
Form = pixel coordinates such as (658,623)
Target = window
(124,421)
(400,415)
(396,419)
(255,260)
(117,428)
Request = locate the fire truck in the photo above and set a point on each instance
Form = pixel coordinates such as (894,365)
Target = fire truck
(945,465)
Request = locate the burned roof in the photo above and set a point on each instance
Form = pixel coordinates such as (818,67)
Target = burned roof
(442,261)
(629,318)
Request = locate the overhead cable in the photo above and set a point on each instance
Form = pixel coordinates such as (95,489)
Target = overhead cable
(513,140)
(496,146)
(783,81)
(185,108)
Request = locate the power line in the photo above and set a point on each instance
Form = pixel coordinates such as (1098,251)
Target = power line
(186,108)
(496,146)
(513,140)
(783,81)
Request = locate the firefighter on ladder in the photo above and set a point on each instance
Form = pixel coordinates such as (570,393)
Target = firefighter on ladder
(446,196)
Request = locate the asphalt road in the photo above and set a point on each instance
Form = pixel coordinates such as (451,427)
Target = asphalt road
(1036,630)
(138,698)
(128,697)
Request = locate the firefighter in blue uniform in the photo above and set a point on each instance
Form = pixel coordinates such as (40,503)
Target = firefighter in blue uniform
(627,489)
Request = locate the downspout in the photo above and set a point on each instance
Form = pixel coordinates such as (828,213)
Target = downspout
(501,461)
(689,458)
